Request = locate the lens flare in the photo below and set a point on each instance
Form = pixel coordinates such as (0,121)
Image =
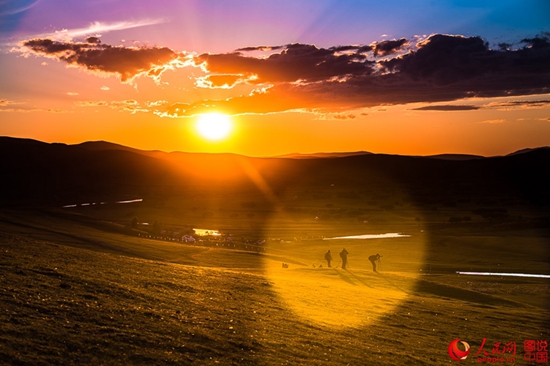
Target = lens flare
(304,228)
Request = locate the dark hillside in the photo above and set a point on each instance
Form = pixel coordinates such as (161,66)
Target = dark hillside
(53,173)
(43,173)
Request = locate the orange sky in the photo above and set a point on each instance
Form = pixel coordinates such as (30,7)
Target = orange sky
(441,92)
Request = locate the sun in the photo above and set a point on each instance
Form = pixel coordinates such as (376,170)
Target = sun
(214,126)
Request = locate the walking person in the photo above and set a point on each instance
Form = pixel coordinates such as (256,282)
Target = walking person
(373,259)
(344,256)
(328,257)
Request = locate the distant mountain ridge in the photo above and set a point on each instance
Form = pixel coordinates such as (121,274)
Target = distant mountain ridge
(323,155)
(528,150)
(105,145)
(35,171)
(455,156)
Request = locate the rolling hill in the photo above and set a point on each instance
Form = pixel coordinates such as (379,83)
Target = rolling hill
(57,173)
(96,284)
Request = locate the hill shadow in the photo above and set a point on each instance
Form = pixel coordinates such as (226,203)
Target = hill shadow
(445,291)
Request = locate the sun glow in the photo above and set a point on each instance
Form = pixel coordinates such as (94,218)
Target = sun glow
(214,126)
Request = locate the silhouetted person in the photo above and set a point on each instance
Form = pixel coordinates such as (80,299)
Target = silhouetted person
(373,258)
(344,256)
(328,257)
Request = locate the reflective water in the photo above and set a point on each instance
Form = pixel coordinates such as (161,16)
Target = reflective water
(370,236)
(503,274)
(102,203)
(131,201)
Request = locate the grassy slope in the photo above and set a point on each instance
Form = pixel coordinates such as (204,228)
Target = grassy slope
(137,301)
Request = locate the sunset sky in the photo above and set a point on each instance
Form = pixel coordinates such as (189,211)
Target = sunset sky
(398,77)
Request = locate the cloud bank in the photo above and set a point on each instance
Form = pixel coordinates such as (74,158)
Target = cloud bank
(437,69)
(440,68)
(93,56)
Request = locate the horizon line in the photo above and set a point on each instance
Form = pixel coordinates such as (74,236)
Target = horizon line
(285,155)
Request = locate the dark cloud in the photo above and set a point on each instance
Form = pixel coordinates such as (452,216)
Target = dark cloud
(443,60)
(296,62)
(441,68)
(343,48)
(538,42)
(350,48)
(385,48)
(93,39)
(364,49)
(529,102)
(91,55)
(259,48)
(520,104)
(447,108)
(469,63)
(358,49)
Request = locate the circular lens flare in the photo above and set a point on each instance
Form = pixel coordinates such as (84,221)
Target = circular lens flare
(303,229)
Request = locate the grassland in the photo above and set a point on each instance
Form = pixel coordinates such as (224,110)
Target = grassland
(82,287)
